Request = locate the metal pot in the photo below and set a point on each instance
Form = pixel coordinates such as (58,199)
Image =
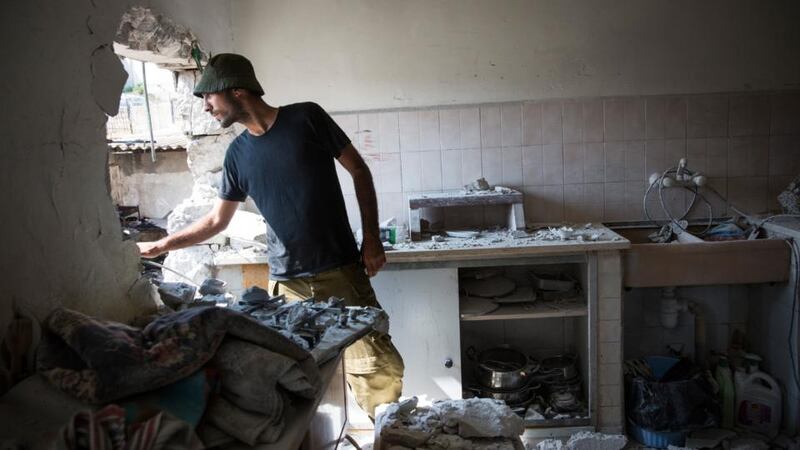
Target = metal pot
(516,397)
(503,368)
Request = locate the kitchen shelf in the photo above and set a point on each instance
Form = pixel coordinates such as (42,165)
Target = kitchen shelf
(537,310)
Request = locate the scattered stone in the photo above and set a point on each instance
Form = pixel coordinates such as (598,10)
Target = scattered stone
(484,424)
(213,286)
(176,294)
(255,294)
(550,444)
(481,417)
(586,440)
(438,238)
(518,234)
(478,185)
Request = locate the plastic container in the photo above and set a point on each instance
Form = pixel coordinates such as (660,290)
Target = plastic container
(760,404)
(726,392)
(657,439)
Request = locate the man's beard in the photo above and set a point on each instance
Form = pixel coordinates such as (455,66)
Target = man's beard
(236,111)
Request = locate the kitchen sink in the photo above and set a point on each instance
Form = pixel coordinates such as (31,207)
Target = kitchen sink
(647,264)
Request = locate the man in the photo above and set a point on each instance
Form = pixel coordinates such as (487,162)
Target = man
(284,160)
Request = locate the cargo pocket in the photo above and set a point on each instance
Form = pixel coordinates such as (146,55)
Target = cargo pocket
(366,355)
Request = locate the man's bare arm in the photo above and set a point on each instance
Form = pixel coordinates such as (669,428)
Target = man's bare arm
(209,225)
(371,248)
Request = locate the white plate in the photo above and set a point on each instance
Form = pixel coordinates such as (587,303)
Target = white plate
(463,234)
(522,294)
(473,306)
(489,287)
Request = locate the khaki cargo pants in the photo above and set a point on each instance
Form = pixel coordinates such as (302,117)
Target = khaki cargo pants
(373,366)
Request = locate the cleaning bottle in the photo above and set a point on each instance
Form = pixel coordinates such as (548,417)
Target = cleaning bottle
(739,376)
(759,404)
(726,391)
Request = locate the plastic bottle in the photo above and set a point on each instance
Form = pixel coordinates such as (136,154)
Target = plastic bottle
(726,391)
(739,376)
(759,405)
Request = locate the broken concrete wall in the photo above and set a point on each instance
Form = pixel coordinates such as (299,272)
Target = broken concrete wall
(63,244)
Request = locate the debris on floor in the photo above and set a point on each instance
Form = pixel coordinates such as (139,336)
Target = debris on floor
(480,424)
(585,440)
(596,441)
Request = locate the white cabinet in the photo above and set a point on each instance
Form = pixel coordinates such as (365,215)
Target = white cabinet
(424,323)
(422,300)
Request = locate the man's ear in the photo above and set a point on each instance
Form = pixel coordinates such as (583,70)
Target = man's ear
(239,93)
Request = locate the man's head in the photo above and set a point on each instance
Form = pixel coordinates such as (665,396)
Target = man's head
(228,80)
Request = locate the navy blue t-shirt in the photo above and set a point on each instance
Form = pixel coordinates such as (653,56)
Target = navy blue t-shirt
(290,173)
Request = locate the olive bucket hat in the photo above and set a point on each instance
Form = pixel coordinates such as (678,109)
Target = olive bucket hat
(227,71)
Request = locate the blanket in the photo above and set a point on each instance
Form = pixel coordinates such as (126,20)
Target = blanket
(100,361)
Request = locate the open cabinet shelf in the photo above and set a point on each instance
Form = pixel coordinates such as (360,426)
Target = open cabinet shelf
(538,310)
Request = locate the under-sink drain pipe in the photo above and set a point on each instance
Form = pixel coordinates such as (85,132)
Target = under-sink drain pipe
(671,307)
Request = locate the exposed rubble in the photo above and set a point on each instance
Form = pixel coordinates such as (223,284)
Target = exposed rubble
(141,29)
(596,441)
(500,237)
(457,424)
(205,156)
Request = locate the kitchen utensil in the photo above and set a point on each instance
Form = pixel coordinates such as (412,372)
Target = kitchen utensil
(503,368)
(463,234)
(515,397)
(561,365)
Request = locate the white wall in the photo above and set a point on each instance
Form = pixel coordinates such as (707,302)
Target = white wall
(361,54)
(155,187)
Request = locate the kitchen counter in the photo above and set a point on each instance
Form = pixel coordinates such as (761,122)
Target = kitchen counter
(506,244)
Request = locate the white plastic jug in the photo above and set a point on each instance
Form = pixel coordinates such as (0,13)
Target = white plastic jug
(759,404)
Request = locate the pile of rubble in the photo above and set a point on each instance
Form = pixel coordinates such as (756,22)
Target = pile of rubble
(480,424)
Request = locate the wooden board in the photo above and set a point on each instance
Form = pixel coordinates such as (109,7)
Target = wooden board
(255,275)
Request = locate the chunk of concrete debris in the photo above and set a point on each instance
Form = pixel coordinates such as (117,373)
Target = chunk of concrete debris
(176,294)
(480,417)
(587,440)
(213,286)
(478,185)
(255,294)
(476,423)
(550,444)
(438,238)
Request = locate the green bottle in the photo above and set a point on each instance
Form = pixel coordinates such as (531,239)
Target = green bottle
(726,391)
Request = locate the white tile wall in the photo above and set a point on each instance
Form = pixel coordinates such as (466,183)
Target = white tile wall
(585,159)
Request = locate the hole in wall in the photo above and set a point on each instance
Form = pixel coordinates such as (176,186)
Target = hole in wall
(146,129)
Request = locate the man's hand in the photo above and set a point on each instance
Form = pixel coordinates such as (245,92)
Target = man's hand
(372,255)
(150,249)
